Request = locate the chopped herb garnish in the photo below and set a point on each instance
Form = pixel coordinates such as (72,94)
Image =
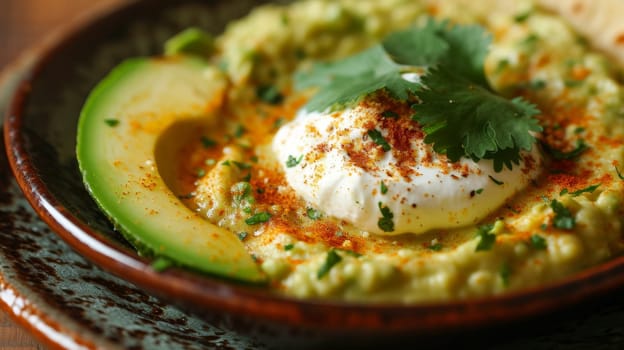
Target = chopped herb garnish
(289,246)
(459,111)
(313,213)
(479,191)
(239,131)
(487,239)
(588,189)
(186,196)
(385,223)
(543,227)
(376,136)
(285,19)
(242,235)
(331,260)
(383,188)
(278,123)
(435,245)
(241,165)
(111,122)
(161,264)
(572,83)
(292,161)
(389,114)
(258,218)
(531,39)
(300,53)
(200,173)
(522,16)
(618,173)
(538,242)
(537,84)
(351,252)
(240,190)
(495,181)
(269,94)
(505,273)
(563,217)
(559,155)
(579,130)
(207,143)
(226,163)
(242,196)
(502,64)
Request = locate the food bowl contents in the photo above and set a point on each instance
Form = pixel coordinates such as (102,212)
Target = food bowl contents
(398,151)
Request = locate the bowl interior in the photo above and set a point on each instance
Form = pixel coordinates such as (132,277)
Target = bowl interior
(44,119)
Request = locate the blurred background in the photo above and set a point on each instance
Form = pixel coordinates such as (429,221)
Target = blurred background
(22,24)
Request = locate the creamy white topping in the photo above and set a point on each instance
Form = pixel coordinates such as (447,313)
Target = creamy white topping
(343,171)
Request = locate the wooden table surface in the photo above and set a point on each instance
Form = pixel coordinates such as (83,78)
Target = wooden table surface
(22,24)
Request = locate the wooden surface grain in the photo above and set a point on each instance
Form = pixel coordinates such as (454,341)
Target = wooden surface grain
(22,24)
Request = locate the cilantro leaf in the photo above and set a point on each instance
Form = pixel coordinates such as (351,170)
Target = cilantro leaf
(459,112)
(431,47)
(463,118)
(468,47)
(321,74)
(348,80)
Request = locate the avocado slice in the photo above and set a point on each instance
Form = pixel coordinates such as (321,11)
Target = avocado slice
(120,136)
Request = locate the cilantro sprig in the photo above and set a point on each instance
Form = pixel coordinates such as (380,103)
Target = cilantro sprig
(457,108)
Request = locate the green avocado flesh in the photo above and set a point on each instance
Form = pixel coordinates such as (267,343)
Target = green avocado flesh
(118,146)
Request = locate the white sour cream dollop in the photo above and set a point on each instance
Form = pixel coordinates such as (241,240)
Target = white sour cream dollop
(342,170)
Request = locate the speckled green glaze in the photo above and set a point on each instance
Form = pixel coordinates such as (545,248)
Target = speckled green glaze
(71,303)
(52,286)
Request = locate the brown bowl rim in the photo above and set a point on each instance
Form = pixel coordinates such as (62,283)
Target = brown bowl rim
(214,294)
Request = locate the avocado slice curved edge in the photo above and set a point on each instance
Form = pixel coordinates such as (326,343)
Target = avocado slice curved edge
(118,132)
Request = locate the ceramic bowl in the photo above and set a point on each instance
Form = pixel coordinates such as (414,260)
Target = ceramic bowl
(40,137)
